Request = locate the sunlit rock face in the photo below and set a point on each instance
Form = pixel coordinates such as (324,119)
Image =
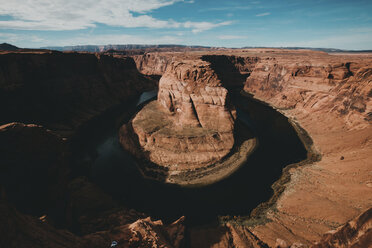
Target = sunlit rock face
(196,97)
(190,125)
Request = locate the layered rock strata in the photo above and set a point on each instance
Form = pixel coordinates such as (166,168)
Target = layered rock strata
(189,127)
(153,63)
(61,91)
(330,97)
(355,233)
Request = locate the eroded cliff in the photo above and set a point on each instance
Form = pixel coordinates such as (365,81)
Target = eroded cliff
(330,97)
(57,93)
(63,90)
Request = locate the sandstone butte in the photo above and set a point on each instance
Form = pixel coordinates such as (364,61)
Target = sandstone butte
(322,202)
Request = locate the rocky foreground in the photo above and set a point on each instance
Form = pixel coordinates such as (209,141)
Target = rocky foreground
(326,203)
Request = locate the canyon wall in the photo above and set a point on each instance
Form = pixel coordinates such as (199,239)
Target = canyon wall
(55,94)
(329,96)
(338,87)
(63,90)
(153,63)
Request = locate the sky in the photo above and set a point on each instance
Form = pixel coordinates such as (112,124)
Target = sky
(234,23)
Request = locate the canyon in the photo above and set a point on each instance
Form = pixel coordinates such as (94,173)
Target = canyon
(48,99)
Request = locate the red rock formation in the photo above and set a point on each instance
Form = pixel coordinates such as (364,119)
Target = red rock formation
(63,90)
(323,85)
(100,218)
(329,96)
(195,95)
(191,124)
(153,63)
(356,233)
(19,230)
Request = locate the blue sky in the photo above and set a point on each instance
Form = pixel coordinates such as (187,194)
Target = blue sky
(235,23)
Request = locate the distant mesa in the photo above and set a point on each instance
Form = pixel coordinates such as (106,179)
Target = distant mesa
(8,47)
(132,49)
(111,48)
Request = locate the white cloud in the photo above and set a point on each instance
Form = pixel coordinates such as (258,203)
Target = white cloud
(231,37)
(263,14)
(116,39)
(198,27)
(75,15)
(16,38)
(226,8)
